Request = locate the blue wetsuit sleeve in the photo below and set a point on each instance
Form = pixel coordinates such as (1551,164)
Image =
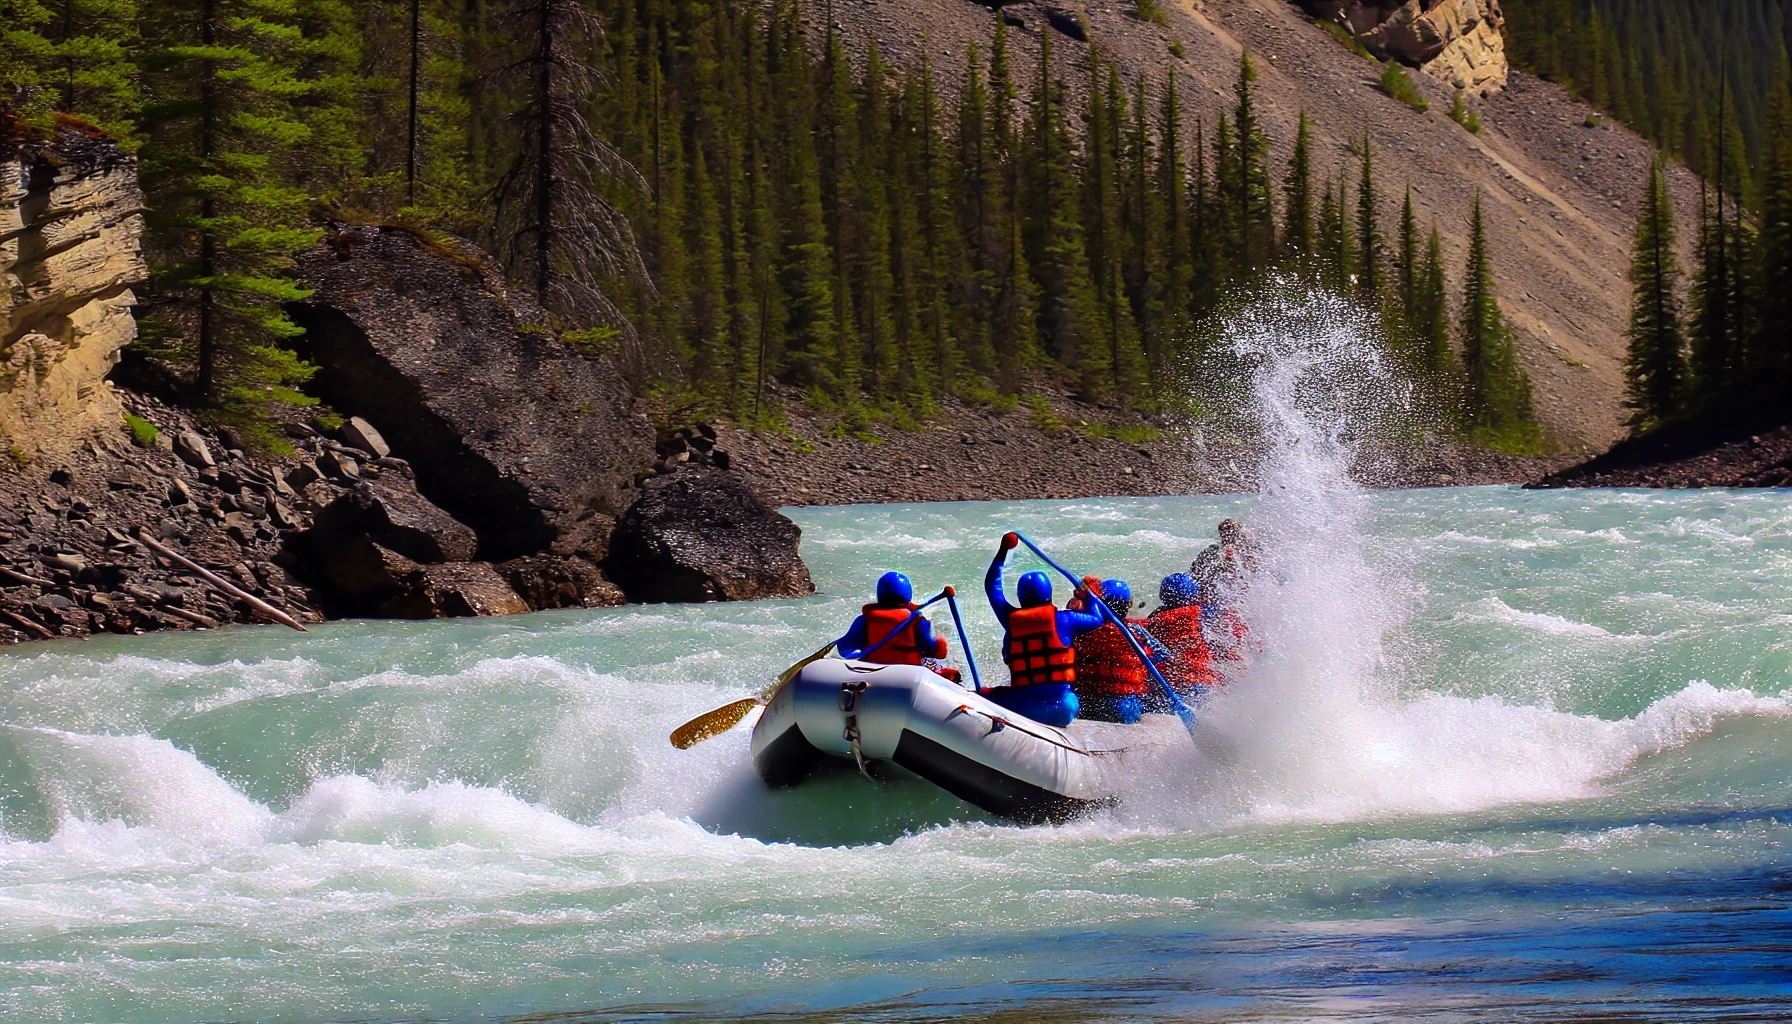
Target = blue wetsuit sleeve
(992,587)
(925,642)
(1074,624)
(854,642)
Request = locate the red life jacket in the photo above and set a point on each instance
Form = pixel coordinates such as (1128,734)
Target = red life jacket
(1109,668)
(1179,629)
(881,621)
(1035,652)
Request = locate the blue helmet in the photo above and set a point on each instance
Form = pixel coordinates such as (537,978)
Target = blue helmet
(893,589)
(1178,590)
(1116,595)
(1035,589)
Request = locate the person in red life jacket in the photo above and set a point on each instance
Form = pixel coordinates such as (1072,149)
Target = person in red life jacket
(915,644)
(1228,637)
(1036,645)
(1177,624)
(1111,682)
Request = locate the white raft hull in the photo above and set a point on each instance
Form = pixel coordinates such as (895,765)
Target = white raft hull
(976,750)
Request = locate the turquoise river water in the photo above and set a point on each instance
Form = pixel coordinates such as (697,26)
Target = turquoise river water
(1505,755)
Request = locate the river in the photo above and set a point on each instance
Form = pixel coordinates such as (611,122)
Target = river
(1505,755)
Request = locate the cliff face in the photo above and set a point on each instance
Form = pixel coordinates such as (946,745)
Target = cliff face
(70,219)
(1454,41)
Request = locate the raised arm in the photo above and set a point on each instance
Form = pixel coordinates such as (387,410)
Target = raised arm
(992,580)
(930,644)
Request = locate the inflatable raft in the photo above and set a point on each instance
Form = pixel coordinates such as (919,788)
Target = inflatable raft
(866,714)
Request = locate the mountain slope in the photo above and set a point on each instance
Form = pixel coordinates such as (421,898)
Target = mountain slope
(1556,191)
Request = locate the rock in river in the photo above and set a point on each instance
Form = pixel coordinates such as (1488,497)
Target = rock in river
(701,534)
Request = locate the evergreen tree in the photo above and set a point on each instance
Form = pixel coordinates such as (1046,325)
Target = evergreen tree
(1497,396)
(1255,218)
(1178,252)
(1655,368)
(1430,323)
(1369,245)
(1337,254)
(1070,321)
(1297,202)
(90,67)
(223,224)
(1773,337)
(555,227)
(1407,307)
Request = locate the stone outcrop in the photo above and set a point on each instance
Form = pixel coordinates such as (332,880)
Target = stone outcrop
(1454,41)
(70,220)
(533,445)
(701,534)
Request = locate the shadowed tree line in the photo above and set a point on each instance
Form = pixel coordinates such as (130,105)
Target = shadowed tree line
(721,199)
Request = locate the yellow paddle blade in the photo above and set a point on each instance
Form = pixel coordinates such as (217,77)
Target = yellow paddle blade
(712,723)
(790,673)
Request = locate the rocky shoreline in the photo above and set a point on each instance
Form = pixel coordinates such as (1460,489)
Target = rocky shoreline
(1734,451)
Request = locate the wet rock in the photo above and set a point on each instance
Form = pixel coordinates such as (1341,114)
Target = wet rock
(358,433)
(555,581)
(340,466)
(701,534)
(192,450)
(302,474)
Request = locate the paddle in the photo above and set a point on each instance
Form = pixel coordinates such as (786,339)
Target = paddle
(1182,710)
(726,717)
(964,643)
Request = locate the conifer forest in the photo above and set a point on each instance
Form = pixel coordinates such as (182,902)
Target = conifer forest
(722,195)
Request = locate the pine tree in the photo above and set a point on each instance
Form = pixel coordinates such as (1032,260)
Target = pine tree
(90,67)
(26,56)
(1070,321)
(805,272)
(1655,368)
(1407,307)
(1336,252)
(1497,393)
(1297,202)
(1369,245)
(1011,297)
(1430,323)
(1178,254)
(1773,333)
(223,224)
(555,228)
(1256,219)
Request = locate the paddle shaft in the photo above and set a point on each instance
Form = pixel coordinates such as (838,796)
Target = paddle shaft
(1182,710)
(964,642)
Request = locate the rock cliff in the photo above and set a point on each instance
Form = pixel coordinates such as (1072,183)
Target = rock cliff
(70,219)
(1455,41)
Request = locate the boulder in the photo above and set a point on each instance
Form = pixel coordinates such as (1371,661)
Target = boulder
(454,590)
(394,515)
(556,581)
(701,534)
(511,431)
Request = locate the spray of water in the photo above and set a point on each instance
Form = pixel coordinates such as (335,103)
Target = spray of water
(1335,719)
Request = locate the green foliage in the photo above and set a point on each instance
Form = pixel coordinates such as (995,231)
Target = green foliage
(1463,114)
(1660,66)
(1044,419)
(143,433)
(1350,41)
(1398,84)
(1150,10)
(1497,392)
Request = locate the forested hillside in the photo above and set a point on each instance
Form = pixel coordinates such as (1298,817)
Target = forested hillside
(729,193)
(1684,74)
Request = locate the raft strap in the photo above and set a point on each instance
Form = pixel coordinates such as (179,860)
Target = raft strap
(849,703)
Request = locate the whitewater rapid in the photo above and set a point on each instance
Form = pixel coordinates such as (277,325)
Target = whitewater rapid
(1485,725)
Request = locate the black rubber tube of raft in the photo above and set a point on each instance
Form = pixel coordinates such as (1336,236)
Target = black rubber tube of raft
(1182,710)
